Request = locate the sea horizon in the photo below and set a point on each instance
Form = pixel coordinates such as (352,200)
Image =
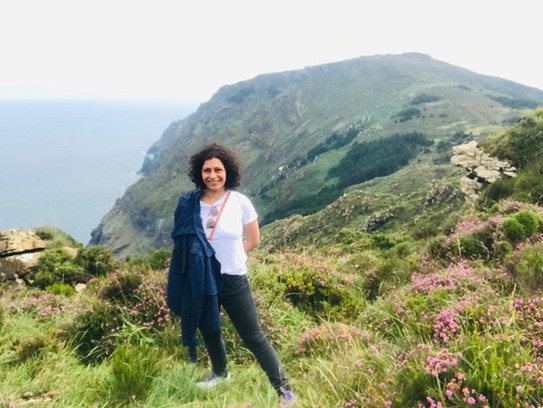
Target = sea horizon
(64,163)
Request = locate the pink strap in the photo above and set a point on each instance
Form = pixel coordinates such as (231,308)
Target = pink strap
(218,216)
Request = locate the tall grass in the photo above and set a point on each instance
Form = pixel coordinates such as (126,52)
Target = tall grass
(446,328)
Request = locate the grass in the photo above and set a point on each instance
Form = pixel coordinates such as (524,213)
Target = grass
(441,331)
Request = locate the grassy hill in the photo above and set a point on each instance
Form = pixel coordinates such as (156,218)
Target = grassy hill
(292,129)
(443,310)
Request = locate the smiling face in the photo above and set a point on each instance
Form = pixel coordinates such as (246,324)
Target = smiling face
(214,175)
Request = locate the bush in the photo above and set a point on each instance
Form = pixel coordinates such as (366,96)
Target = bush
(60,289)
(513,230)
(90,332)
(56,266)
(315,286)
(56,237)
(526,266)
(521,225)
(96,260)
(158,259)
(530,221)
(476,245)
(120,288)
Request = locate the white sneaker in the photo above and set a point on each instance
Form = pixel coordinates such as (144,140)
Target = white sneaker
(287,398)
(214,380)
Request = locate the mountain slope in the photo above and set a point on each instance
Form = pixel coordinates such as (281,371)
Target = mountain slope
(293,128)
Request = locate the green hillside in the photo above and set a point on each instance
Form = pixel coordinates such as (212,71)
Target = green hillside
(396,295)
(297,131)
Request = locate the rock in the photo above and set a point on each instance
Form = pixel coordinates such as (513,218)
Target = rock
(19,240)
(481,169)
(20,250)
(377,219)
(439,193)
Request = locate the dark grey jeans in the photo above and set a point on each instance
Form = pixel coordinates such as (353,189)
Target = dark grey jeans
(237,300)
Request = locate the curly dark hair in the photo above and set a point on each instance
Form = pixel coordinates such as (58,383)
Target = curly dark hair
(229,159)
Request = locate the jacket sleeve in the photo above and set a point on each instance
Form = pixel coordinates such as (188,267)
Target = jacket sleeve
(174,292)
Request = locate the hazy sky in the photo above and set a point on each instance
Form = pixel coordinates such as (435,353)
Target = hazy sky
(187,49)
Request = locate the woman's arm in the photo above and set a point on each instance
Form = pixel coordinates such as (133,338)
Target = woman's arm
(252,236)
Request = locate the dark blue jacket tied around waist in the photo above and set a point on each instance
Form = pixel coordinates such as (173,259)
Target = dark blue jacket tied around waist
(194,278)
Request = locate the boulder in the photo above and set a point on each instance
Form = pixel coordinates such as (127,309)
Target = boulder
(20,250)
(481,168)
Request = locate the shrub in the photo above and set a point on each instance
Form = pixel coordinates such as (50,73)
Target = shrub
(513,229)
(56,237)
(521,225)
(529,220)
(477,245)
(158,259)
(60,289)
(315,286)
(90,332)
(96,260)
(502,249)
(121,287)
(31,347)
(56,266)
(527,267)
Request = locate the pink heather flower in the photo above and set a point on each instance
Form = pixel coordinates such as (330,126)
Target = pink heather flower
(519,388)
(482,398)
(358,363)
(448,394)
(471,401)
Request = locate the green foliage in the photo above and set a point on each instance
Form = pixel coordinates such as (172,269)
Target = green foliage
(522,144)
(521,225)
(333,142)
(56,237)
(90,332)
(121,287)
(527,267)
(96,260)
(59,288)
(378,158)
(56,266)
(315,286)
(498,190)
(157,259)
(515,103)
(329,337)
(407,114)
(424,98)
(477,245)
(531,221)
(526,187)
(133,369)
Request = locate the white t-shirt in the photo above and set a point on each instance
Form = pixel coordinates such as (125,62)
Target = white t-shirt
(228,237)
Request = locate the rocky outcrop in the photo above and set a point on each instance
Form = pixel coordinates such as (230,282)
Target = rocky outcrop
(20,250)
(481,169)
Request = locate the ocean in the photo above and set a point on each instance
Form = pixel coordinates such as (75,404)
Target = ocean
(64,163)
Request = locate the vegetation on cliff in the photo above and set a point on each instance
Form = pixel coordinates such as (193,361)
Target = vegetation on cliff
(292,129)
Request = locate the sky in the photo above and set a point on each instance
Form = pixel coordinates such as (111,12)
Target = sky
(185,50)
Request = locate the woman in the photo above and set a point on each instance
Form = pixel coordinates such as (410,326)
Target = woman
(214,229)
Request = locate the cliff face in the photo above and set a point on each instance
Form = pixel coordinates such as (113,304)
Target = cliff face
(291,129)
